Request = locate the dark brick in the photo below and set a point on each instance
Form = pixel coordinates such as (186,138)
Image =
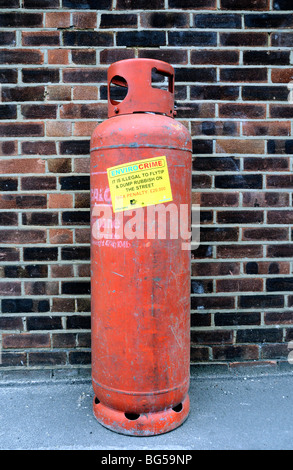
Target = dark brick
(200,146)
(40,75)
(9,254)
(21,56)
(84,57)
(63,340)
(18,20)
(140,5)
(194,74)
(245,4)
(76,217)
(75,183)
(17,306)
(79,357)
(215,92)
(40,218)
(38,111)
(38,183)
(214,57)
(268,21)
(236,353)
(280,147)
(87,38)
(244,39)
(266,58)
(38,148)
(8,184)
(200,319)
(219,234)
(192,4)
(41,4)
(76,287)
(10,323)
(243,111)
(8,76)
(80,75)
(9,4)
(75,147)
(111,20)
(165,20)
(40,254)
(282,39)
(261,301)
(75,322)
(266,164)
(7,218)
(240,217)
(281,111)
(265,93)
(259,335)
(7,38)
(282,5)
(87,4)
(13,359)
(280,251)
(83,305)
(212,20)
(192,38)
(44,323)
(141,38)
(108,56)
(41,38)
(243,74)
(203,303)
(238,181)
(239,318)
(76,252)
(34,93)
(201,181)
(8,111)
(45,358)
(215,164)
(279,284)
(29,271)
(201,287)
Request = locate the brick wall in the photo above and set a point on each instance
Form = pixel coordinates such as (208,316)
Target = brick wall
(233,62)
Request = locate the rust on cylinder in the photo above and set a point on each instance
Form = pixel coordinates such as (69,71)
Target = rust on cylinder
(140,285)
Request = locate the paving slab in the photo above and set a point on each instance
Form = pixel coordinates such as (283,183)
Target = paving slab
(227,413)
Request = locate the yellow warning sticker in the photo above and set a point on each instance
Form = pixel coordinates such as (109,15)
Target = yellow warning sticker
(139,184)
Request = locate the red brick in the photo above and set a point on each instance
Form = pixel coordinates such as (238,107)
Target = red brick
(22,236)
(26,340)
(85,93)
(239,285)
(84,20)
(60,236)
(29,165)
(278,128)
(10,288)
(58,56)
(56,201)
(60,19)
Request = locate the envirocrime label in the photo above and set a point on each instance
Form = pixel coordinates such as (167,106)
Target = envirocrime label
(139,184)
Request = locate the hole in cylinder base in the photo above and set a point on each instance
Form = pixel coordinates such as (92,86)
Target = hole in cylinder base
(97,401)
(131,416)
(177,408)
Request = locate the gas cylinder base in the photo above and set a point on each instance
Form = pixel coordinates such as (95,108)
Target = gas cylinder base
(144,424)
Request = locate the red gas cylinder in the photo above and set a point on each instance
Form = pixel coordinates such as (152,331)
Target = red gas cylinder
(140,278)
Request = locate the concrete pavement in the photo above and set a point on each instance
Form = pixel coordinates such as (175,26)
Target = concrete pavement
(245,411)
